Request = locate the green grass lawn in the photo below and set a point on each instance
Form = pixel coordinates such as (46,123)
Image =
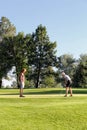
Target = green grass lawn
(43,109)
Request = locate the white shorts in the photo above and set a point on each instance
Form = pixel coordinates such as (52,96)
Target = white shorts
(21,84)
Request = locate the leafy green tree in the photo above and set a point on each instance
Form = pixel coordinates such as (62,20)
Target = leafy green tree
(67,64)
(14,53)
(47,77)
(19,52)
(6,30)
(49,81)
(4,65)
(41,53)
(80,76)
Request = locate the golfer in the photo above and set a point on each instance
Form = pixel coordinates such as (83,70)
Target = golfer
(68,83)
(22,81)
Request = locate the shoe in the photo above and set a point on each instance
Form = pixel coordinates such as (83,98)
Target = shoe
(65,95)
(22,96)
(70,95)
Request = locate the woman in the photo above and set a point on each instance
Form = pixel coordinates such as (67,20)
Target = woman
(22,81)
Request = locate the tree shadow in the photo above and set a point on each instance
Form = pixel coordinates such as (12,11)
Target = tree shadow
(54,92)
(9,93)
(81,91)
(48,92)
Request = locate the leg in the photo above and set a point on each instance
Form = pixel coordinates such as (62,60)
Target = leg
(70,89)
(67,89)
(21,92)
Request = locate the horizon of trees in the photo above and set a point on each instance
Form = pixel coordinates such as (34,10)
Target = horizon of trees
(37,54)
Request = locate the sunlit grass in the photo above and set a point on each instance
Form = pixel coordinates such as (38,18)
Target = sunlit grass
(38,113)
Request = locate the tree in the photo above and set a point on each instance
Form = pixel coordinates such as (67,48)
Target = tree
(80,76)
(20,52)
(4,65)
(6,30)
(67,64)
(14,53)
(41,52)
(48,77)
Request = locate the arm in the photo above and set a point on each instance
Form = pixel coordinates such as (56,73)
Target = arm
(21,77)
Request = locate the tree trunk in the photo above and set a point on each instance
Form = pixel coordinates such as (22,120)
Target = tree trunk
(38,77)
(17,77)
(0,83)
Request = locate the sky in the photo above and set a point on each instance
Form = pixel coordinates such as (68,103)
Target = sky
(65,21)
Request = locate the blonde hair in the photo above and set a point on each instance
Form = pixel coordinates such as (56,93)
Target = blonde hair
(23,70)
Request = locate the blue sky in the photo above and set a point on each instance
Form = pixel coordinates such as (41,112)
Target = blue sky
(65,20)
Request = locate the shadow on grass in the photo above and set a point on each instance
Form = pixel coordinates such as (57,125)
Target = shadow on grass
(48,92)
(81,91)
(56,92)
(9,94)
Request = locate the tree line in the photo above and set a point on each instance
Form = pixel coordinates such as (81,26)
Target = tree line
(36,53)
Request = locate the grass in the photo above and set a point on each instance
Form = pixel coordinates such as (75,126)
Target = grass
(43,109)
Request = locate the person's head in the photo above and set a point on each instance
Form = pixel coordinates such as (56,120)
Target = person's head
(63,74)
(23,70)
